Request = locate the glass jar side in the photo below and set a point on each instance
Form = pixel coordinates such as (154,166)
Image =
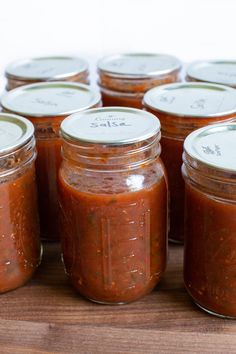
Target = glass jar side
(210,258)
(135,85)
(174,131)
(20,252)
(113,221)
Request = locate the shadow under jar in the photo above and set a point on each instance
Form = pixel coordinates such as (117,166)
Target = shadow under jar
(183,108)
(123,79)
(216,71)
(113,200)
(43,69)
(46,105)
(20,248)
(209,171)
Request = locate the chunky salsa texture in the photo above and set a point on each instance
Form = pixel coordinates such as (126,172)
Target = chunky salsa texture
(114,244)
(20,249)
(210,252)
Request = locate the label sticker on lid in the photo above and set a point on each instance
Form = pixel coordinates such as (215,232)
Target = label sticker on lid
(111,125)
(192,99)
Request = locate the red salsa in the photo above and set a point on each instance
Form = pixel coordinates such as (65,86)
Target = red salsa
(113,198)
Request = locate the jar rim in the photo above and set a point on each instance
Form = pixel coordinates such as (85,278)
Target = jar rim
(50,99)
(110,126)
(192,99)
(39,68)
(212,146)
(16,131)
(106,65)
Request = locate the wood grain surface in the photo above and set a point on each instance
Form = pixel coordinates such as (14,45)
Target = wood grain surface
(48,316)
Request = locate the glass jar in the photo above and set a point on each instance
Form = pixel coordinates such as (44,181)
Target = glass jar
(181,109)
(209,171)
(20,251)
(215,71)
(46,105)
(123,79)
(113,198)
(42,69)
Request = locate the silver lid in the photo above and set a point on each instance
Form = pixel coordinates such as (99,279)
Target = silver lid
(15,131)
(45,68)
(214,145)
(111,125)
(217,71)
(50,99)
(139,65)
(192,99)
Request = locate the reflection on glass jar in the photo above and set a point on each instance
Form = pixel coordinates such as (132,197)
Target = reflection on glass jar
(113,199)
(209,171)
(181,109)
(123,79)
(43,69)
(20,250)
(46,105)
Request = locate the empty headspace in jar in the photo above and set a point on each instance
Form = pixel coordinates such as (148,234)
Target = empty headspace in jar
(215,71)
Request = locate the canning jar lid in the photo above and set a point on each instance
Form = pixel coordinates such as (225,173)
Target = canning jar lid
(46,68)
(138,65)
(214,146)
(15,131)
(192,99)
(216,71)
(110,125)
(50,99)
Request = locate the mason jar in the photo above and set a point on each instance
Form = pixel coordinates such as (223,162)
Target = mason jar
(214,71)
(123,79)
(20,249)
(182,108)
(113,200)
(209,171)
(42,69)
(46,105)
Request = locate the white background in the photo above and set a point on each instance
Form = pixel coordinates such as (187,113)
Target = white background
(189,29)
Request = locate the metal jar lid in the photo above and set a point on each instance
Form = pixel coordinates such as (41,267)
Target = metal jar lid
(50,99)
(110,125)
(214,145)
(217,71)
(15,131)
(45,68)
(138,65)
(192,99)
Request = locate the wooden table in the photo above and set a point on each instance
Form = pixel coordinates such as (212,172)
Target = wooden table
(48,316)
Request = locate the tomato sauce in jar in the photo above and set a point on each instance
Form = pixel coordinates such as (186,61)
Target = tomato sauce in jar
(113,199)
(46,105)
(20,248)
(209,171)
(182,108)
(123,79)
(43,69)
(215,71)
